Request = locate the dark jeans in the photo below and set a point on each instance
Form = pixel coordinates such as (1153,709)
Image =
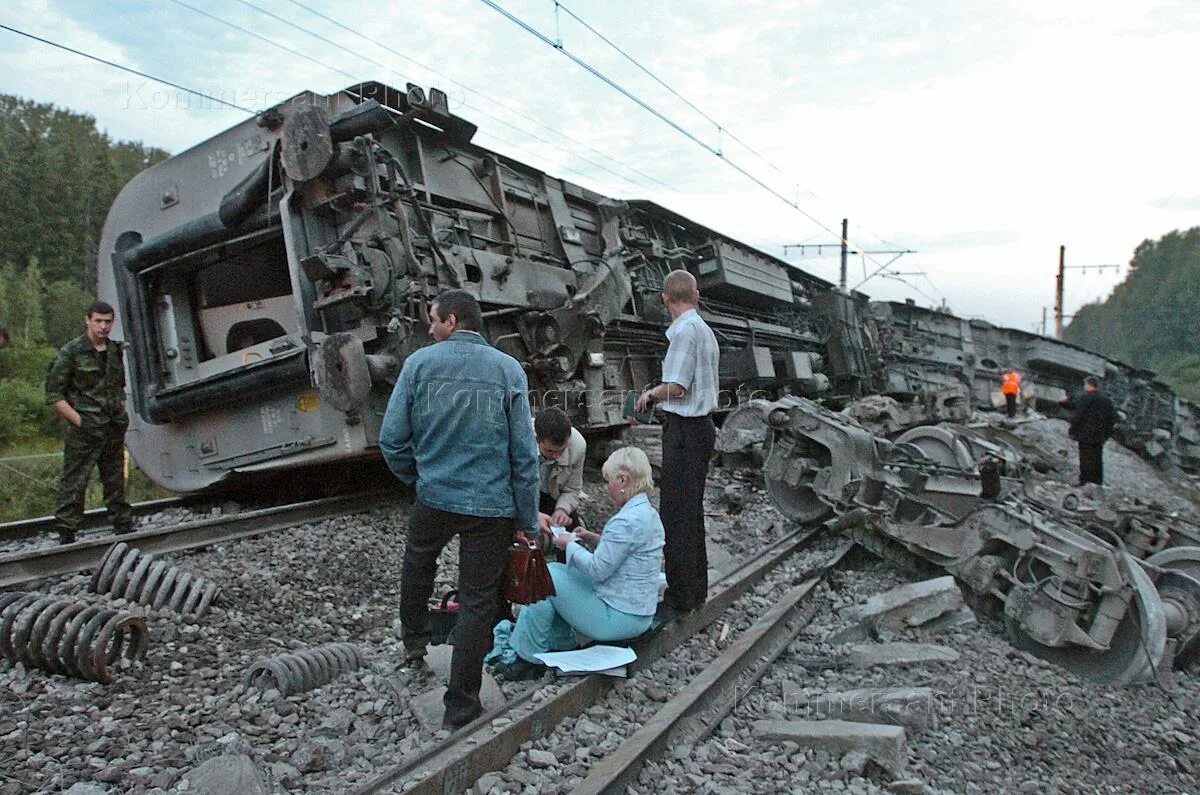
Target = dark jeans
(1010,403)
(1091,463)
(687,444)
(482,554)
(94,444)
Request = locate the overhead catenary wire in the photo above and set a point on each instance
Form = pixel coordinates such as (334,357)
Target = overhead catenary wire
(130,70)
(485,96)
(587,67)
(721,128)
(382,65)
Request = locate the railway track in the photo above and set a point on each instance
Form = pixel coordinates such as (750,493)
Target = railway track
(28,566)
(93,519)
(479,748)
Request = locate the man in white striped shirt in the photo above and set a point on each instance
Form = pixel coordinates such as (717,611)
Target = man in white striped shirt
(688,394)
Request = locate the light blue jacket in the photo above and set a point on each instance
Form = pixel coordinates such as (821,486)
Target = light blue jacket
(627,560)
(458,425)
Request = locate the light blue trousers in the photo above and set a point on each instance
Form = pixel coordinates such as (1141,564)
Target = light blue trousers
(550,625)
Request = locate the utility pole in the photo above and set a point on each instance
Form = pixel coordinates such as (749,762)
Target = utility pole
(1059,310)
(1058,292)
(846,251)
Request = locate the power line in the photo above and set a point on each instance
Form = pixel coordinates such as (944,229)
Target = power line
(493,100)
(721,128)
(382,65)
(130,70)
(265,40)
(652,110)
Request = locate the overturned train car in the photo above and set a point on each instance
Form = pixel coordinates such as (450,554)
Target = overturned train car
(271,281)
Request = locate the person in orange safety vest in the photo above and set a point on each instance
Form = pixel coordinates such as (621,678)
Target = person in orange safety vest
(1010,387)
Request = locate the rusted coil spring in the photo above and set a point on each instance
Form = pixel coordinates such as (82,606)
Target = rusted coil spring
(64,636)
(126,573)
(304,670)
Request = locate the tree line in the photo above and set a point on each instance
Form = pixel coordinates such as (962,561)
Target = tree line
(1152,318)
(59,174)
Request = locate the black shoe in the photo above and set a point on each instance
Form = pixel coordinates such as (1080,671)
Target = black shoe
(414,662)
(122,531)
(521,670)
(66,537)
(455,725)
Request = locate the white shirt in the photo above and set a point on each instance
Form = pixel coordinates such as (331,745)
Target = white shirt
(693,362)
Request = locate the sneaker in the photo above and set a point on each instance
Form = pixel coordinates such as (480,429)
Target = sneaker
(66,537)
(121,531)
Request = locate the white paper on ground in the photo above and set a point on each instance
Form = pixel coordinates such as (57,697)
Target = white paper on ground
(591,659)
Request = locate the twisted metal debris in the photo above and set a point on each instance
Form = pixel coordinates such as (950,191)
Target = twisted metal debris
(68,637)
(127,573)
(305,670)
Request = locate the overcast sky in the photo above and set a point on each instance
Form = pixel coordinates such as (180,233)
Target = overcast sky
(983,134)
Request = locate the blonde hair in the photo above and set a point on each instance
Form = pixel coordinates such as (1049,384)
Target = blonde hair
(680,287)
(634,463)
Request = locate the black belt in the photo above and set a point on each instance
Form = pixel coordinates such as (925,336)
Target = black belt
(673,415)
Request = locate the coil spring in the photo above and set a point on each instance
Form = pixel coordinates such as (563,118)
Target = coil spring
(64,636)
(126,573)
(305,670)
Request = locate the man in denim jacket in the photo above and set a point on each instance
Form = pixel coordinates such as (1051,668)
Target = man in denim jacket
(459,428)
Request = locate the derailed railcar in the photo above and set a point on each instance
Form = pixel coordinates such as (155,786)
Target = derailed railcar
(271,281)
(927,352)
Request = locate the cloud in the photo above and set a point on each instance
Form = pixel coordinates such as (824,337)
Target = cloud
(1177,202)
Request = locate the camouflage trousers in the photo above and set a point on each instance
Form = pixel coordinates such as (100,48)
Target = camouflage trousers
(100,445)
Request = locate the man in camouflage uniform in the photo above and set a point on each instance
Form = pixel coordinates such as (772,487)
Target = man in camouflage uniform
(86,386)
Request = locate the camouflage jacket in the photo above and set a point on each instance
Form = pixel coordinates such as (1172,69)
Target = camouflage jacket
(92,381)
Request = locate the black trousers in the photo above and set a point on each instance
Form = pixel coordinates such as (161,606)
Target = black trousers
(1010,403)
(482,555)
(1091,463)
(687,444)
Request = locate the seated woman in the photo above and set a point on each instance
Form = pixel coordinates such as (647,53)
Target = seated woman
(607,594)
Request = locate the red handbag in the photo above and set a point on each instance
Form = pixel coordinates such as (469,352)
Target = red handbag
(526,577)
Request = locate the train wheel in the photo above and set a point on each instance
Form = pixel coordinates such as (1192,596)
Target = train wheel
(1179,590)
(1137,647)
(938,445)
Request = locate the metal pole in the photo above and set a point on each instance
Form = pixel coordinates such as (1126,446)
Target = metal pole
(1058,293)
(845,251)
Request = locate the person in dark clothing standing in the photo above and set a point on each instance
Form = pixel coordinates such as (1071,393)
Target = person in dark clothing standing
(688,395)
(86,387)
(1090,428)
(459,428)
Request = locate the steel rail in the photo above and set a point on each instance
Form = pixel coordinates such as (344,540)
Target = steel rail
(23,567)
(696,710)
(92,519)
(478,748)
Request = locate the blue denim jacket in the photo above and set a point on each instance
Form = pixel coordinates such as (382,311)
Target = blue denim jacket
(458,425)
(627,560)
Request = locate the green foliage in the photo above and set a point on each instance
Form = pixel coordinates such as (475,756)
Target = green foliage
(63,306)
(58,177)
(1152,319)
(29,481)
